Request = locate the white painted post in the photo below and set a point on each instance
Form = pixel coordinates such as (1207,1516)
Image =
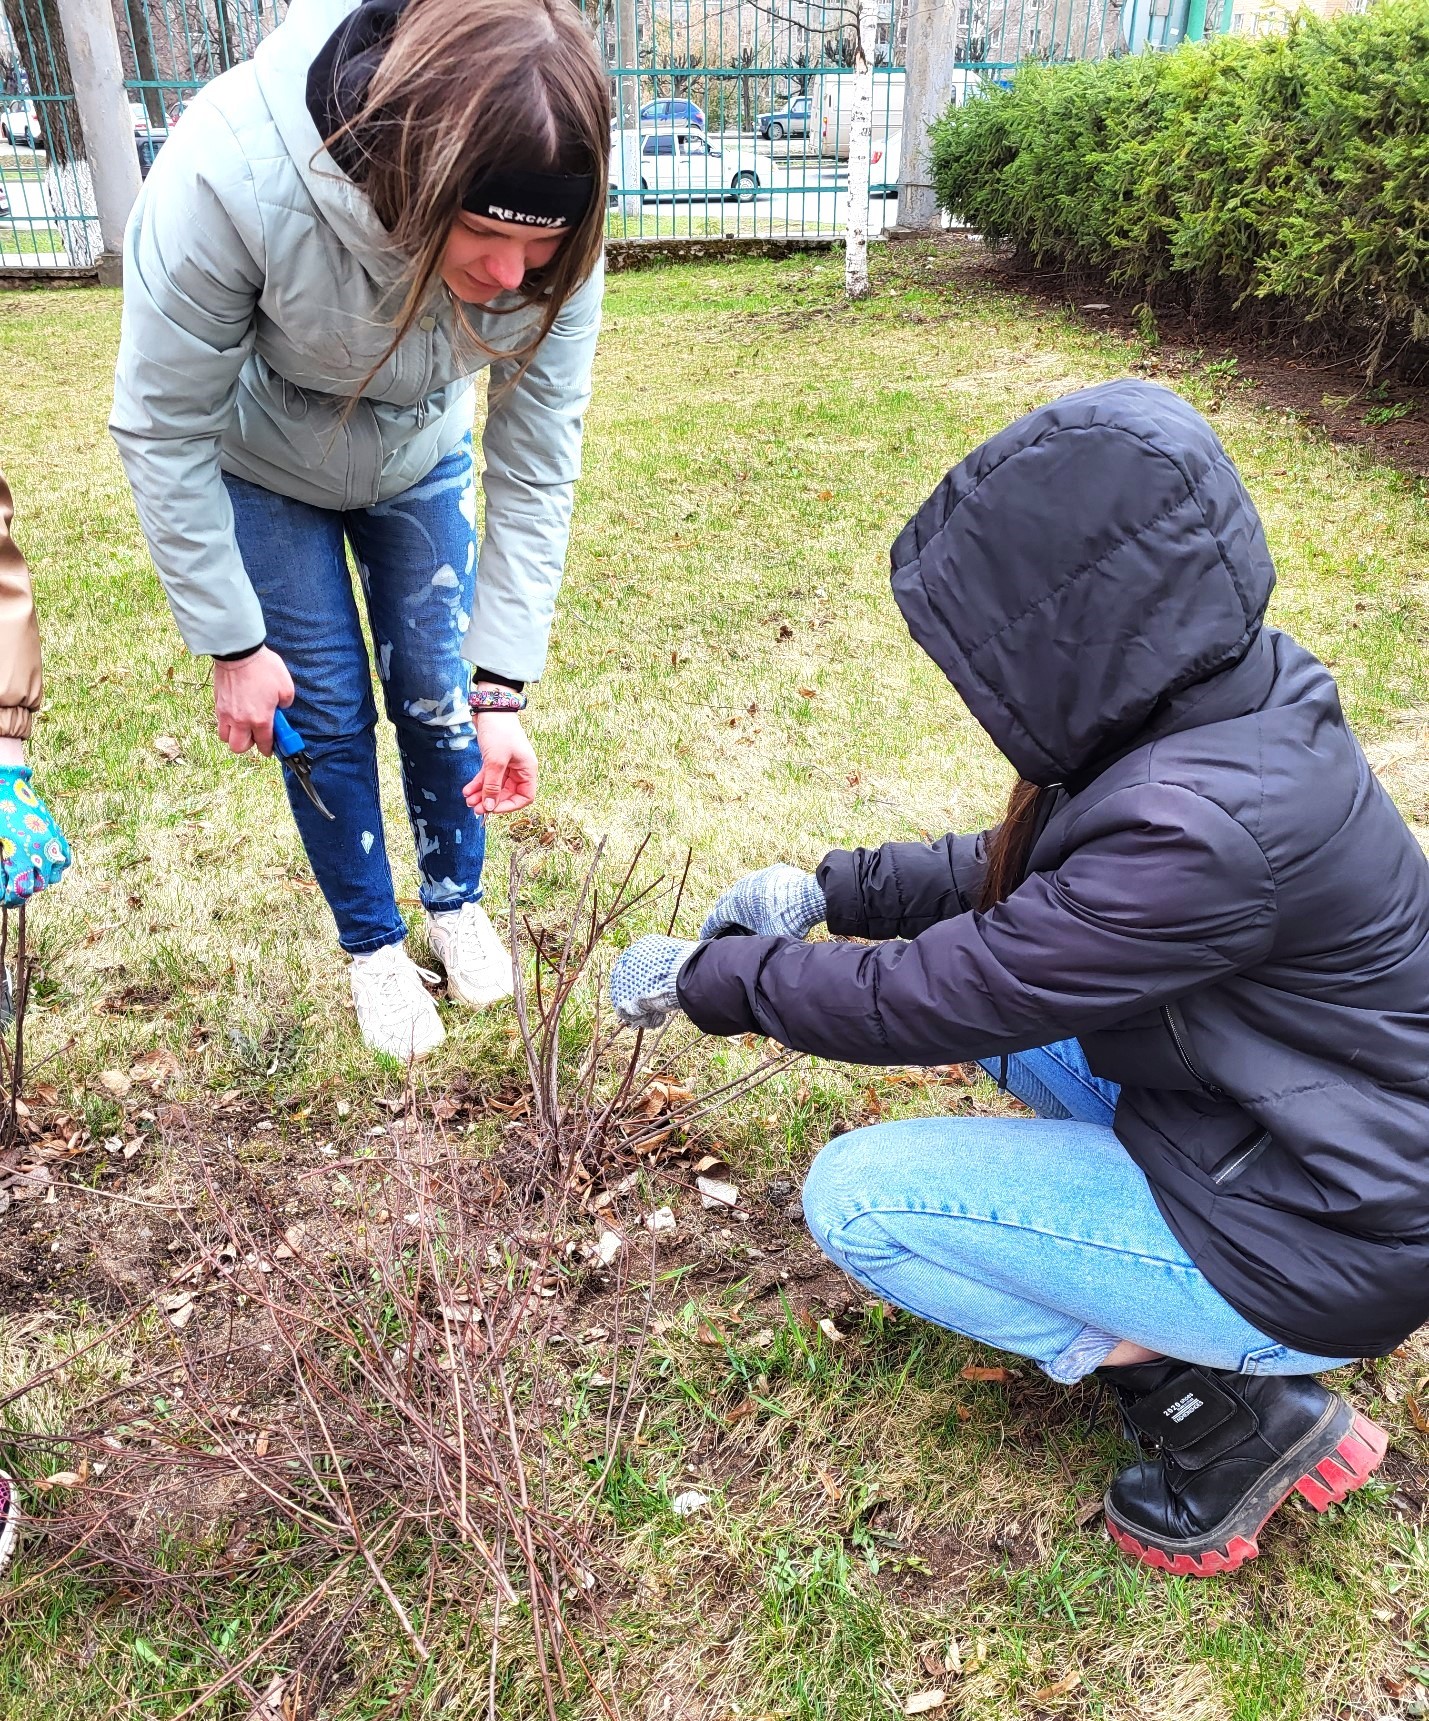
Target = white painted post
(860,148)
(98,74)
(627,36)
(932,66)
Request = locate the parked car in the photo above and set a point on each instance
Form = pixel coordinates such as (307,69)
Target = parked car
(884,164)
(673,111)
(795,120)
(20,125)
(676,164)
(148,144)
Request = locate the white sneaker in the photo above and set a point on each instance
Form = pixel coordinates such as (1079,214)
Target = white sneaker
(468,947)
(394,1009)
(9,1519)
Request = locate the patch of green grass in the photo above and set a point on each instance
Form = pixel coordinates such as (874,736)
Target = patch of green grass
(28,239)
(729,678)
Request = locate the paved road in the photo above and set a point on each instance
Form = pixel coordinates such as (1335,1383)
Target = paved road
(26,198)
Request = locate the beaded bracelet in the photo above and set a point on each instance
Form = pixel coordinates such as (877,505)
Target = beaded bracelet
(495,699)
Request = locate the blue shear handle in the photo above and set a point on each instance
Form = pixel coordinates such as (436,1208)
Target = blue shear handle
(286,739)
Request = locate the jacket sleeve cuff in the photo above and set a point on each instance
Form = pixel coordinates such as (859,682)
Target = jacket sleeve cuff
(16,722)
(239,656)
(846,916)
(708,992)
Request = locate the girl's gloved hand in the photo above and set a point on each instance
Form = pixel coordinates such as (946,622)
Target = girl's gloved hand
(642,982)
(33,851)
(779,902)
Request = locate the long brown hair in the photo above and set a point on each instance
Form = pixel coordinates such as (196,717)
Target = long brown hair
(1010,846)
(471,88)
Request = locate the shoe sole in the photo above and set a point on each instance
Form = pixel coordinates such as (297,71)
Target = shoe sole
(478,1003)
(1351,1449)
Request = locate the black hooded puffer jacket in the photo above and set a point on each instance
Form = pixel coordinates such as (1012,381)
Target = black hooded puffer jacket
(1224,905)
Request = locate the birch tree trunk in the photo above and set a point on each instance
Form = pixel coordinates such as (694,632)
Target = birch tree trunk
(860,148)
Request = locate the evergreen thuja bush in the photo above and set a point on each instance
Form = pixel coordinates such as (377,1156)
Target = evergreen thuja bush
(1284,178)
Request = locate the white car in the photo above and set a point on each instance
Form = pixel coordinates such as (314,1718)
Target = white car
(679,164)
(20,125)
(883,167)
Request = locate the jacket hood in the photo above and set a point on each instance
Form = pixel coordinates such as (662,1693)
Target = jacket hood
(1080,568)
(281,66)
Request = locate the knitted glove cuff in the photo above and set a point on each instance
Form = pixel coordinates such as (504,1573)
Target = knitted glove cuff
(807,908)
(643,981)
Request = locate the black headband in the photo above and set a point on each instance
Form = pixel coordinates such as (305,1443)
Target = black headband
(531,199)
(338,81)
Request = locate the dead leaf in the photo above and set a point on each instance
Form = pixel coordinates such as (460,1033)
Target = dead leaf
(664,1096)
(168,748)
(826,495)
(1058,1688)
(260,1445)
(156,1067)
(179,1309)
(830,1331)
(708,1334)
(272,1705)
(31,1182)
(115,1083)
(65,1479)
(1416,1413)
(746,1408)
(976,1371)
(708,1162)
(785,631)
(964,1414)
(1087,1513)
(807,692)
(921,1702)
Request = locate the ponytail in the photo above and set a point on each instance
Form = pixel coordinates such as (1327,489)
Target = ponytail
(1010,846)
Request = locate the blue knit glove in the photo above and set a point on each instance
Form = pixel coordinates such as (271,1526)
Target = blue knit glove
(33,852)
(780,902)
(642,982)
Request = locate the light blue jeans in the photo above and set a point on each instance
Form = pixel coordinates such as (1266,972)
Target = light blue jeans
(1035,1236)
(416,565)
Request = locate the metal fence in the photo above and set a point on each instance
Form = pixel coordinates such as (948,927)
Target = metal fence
(727,116)
(732,116)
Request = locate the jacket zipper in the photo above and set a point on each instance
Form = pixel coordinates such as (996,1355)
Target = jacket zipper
(1241,1157)
(1175,1027)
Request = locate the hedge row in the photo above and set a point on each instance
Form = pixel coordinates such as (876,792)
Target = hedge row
(1283,177)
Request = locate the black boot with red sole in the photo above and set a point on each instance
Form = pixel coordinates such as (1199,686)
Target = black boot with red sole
(1233,1447)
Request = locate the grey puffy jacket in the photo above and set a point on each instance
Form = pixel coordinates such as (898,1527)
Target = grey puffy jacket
(1224,904)
(259,288)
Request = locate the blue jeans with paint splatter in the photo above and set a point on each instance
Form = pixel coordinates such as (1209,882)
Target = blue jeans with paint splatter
(416,561)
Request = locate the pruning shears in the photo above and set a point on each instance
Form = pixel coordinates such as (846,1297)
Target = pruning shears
(293,751)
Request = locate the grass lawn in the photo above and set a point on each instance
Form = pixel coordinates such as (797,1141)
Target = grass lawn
(730,679)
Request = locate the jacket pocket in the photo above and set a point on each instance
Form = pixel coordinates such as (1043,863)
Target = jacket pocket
(1181,1040)
(1240,1159)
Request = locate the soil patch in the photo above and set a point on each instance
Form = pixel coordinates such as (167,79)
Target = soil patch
(1389,421)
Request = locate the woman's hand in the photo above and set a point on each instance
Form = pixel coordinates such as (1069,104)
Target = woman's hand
(507,779)
(245,696)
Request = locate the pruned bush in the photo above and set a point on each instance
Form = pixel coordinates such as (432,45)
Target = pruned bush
(1283,178)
